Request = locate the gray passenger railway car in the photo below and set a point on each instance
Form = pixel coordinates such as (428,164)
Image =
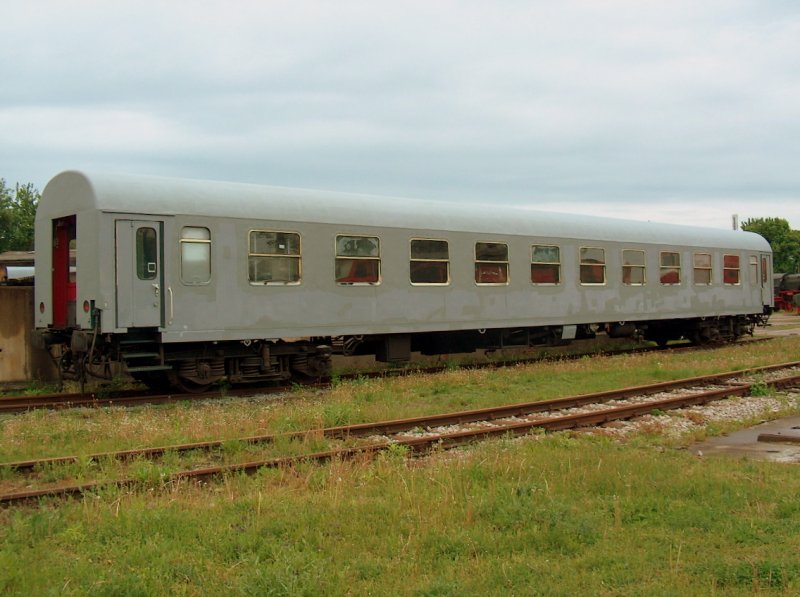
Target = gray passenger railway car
(190,282)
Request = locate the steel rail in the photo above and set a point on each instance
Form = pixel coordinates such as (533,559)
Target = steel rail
(423,444)
(17,404)
(400,425)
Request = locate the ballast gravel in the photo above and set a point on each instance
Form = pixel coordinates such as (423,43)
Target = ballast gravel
(683,421)
(672,424)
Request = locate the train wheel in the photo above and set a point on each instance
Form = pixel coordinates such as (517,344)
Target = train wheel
(195,376)
(709,336)
(189,386)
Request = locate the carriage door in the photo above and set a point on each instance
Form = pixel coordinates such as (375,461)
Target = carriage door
(140,274)
(766,280)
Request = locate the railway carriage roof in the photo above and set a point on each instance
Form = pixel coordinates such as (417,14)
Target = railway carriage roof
(72,192)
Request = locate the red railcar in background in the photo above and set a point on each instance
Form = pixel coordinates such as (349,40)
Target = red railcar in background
(787,287)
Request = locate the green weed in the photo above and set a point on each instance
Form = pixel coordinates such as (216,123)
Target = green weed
(112,387)
(760,388)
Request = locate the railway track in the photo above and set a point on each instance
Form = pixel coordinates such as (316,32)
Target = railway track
(443,431)
(18,404)
(100,399)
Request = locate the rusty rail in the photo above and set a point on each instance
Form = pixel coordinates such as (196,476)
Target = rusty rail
(442,440)
(17,404)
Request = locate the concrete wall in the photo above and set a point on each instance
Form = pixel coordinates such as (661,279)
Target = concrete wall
(19,360)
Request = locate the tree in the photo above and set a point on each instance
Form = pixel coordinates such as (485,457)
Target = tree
(6,216)
(784,241)
(17,215)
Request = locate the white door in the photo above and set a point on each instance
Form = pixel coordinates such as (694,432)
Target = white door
(140,275)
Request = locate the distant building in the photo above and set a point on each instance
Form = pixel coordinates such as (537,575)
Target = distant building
(16,267)
(20,361)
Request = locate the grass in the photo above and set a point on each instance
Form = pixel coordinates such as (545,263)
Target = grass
(550,515)
(33,388)
(558,516)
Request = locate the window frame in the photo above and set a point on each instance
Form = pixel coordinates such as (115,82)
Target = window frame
(183,241)
(499,262)
(338,258)
(412,259)
(631,267)
(668,268)
(298,256)
(753,269)
(696,268)
(582,264)
(737,269)
(547,263)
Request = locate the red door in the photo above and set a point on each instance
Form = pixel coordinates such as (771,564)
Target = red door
(64,232)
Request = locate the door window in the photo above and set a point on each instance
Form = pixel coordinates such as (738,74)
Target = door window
(146,253)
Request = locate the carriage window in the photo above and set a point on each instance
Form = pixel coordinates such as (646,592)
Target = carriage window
(146,253)
(195,255)
(593,265)
(753,270)
(670,267)
(491,263)
(430,262)
(358,259)
(633,267)
(702,268)
(273,257)
(730,269)
(545,264)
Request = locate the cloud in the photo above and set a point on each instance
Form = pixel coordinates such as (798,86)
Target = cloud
(577,102)
(91,129)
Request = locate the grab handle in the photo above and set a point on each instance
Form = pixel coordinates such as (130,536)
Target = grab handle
(171,305)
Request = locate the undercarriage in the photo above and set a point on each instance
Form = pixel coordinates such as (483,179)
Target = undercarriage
(197,366)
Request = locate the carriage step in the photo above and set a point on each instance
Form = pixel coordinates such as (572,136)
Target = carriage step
(149,368)
(140,355)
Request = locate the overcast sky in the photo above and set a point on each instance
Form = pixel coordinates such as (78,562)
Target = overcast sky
(681,110)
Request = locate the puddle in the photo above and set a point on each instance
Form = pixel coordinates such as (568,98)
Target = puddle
(745,443)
